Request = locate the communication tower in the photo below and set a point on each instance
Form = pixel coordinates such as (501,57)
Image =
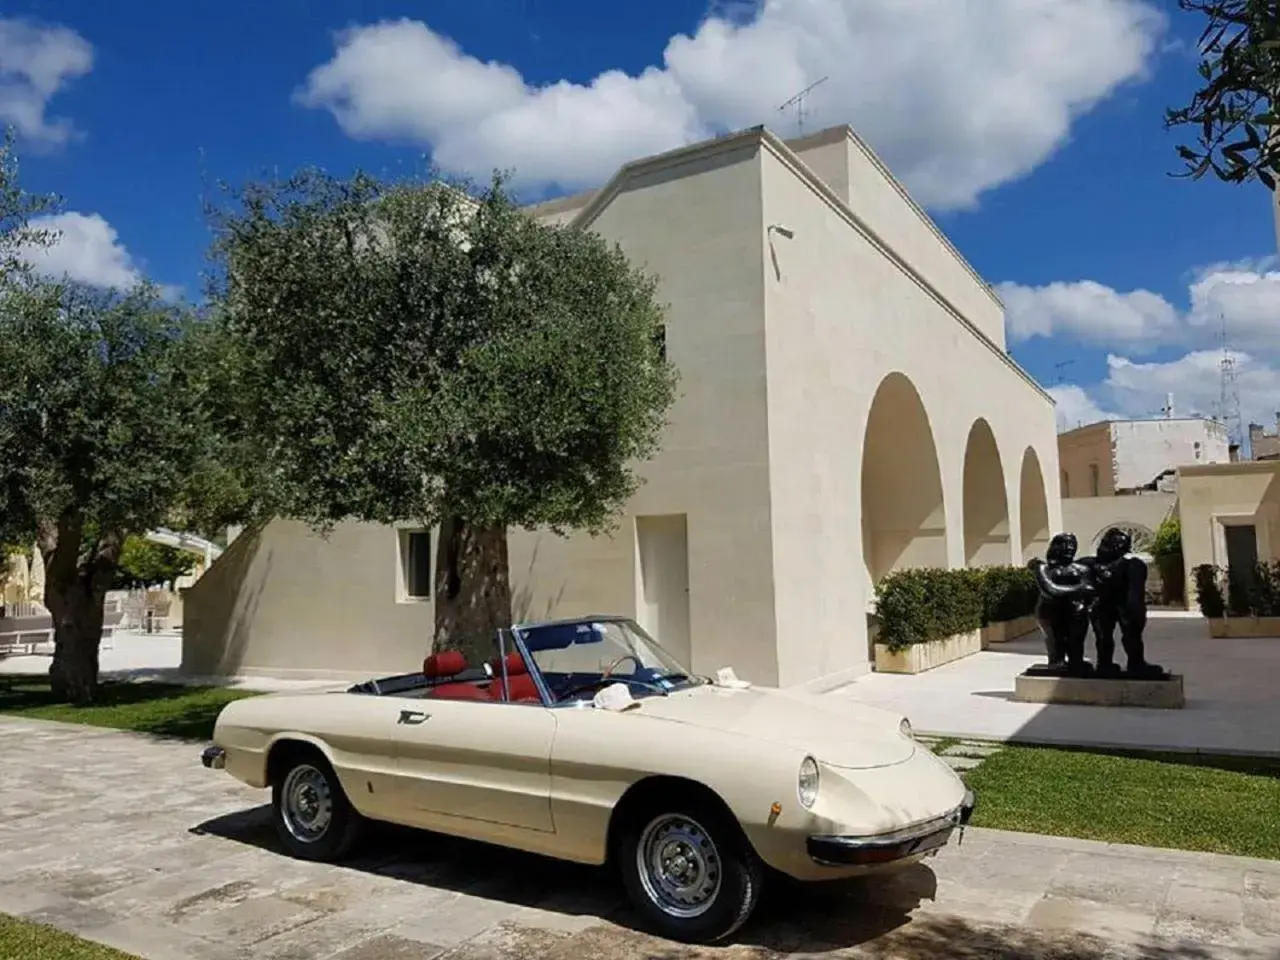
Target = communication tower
(1229,392)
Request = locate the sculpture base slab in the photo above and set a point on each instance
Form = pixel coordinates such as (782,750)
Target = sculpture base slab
(1101,692)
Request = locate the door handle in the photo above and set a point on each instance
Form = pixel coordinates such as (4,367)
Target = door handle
(413,717)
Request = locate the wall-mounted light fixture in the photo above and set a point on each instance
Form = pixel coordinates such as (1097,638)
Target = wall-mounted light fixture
(781,231)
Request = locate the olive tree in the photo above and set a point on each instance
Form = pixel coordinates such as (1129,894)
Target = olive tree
(1233,112)
(426,351)
(145,563)
(111,423)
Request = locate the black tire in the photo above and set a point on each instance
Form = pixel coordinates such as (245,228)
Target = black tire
(725,904)
(333,836)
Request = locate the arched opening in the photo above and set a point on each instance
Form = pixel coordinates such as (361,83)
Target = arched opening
(986,507)
(904,521)
(1035,508)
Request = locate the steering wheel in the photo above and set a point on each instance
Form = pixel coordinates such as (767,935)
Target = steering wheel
(606,678)
(608,671)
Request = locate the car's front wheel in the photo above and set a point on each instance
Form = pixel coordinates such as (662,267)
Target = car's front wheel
(313,817)
(690,872)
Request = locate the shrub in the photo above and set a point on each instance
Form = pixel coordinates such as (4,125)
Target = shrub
(1166,552)
(1008,593)
(1223,592)
(1209,591)
(1168,541)
(924,605)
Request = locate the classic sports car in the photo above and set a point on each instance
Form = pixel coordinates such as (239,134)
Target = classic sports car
(585,740)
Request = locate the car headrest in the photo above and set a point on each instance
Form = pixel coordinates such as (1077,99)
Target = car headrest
(446,663)
(515,664)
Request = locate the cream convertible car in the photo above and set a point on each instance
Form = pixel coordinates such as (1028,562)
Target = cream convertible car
(585,740)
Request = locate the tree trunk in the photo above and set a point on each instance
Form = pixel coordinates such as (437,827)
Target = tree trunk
(473,588)
(75,592)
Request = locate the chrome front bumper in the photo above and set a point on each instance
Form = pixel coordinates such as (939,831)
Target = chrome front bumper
(882,848)
(214,758)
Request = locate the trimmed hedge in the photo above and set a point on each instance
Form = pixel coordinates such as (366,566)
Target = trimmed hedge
(924,605)
(1209,596)
(1219,594)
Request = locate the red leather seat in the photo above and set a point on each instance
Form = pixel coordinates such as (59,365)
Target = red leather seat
(522,689)
(446,664)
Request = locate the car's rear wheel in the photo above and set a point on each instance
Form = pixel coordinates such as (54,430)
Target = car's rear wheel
(689,871)
(313,817)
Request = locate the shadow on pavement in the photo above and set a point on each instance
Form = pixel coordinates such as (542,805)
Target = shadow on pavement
(789,916)
(869,918)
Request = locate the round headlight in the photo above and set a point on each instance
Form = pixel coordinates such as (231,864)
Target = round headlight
(807,782)
(905,728)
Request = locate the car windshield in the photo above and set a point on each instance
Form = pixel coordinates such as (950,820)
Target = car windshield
(576,659)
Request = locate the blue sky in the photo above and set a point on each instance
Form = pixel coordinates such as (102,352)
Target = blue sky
(1031,129)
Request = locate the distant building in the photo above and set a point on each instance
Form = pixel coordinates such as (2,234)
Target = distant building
(1117,457)
(1263,445)
(1230,515)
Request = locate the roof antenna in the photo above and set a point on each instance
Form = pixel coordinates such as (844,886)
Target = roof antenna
(798,101)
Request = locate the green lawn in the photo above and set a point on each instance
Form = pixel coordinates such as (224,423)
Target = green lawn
(163,709)
(1214,804)
(22,940)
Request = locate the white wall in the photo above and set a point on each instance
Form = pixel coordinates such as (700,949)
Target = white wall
(1144,448)
(841,317)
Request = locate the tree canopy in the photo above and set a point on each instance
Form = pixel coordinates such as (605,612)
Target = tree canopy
(145,563)
(429,352)
(109,425)
(17,209)
(1232,112)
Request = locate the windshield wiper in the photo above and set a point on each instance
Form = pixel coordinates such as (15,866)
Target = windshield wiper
(674,678)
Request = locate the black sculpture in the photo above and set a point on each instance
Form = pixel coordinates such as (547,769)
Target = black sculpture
(1121,583)
(1066,592)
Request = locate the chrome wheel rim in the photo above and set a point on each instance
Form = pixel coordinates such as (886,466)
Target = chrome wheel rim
(679,866)
(306,803)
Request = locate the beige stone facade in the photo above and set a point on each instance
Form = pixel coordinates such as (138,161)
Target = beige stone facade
(847,407)
(1230,514)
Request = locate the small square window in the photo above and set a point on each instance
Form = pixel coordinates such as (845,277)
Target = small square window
(415,564)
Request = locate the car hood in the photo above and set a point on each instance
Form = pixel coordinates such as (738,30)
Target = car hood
(835,730)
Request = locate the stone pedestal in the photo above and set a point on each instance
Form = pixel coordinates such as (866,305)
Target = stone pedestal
(1091,691)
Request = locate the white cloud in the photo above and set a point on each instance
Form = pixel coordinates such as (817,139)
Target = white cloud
(87,250)
(37,61)
(1246,295)
(1088,311)
(959,96)
(1076,407)
(1133,389)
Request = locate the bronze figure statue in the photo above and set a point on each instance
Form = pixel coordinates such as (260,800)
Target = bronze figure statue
(1120,581)
(1067,591)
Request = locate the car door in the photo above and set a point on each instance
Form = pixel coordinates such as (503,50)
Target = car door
(358,731)
(477,760)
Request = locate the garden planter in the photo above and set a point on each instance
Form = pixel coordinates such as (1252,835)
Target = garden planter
(1244,626)
(926,656)
(1007,630)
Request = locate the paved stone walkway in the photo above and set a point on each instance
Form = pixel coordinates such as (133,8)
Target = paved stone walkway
(1231,703)
(128,841)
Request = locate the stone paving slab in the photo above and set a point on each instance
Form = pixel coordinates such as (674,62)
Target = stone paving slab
(127,840)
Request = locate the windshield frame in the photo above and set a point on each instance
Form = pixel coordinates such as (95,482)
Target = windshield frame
(520,631)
